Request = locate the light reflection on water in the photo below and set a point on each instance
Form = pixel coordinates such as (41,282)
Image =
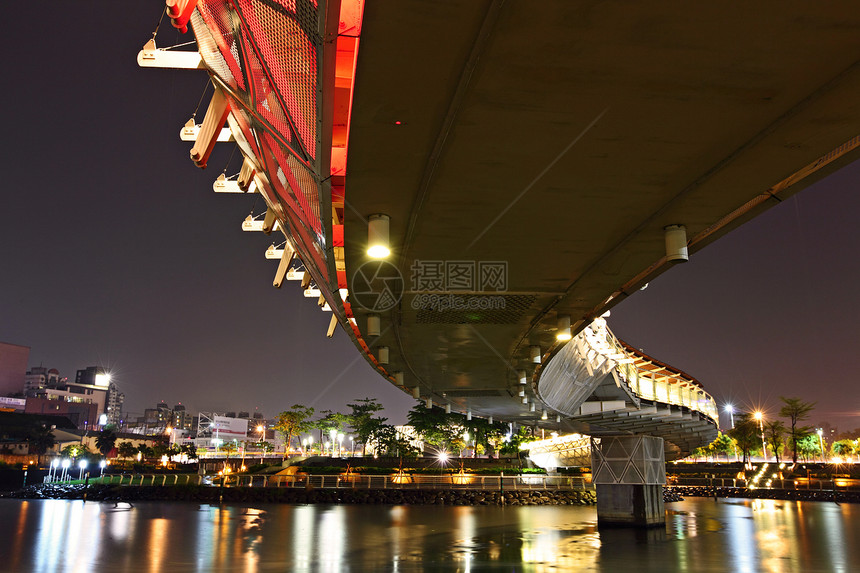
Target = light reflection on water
(700,535)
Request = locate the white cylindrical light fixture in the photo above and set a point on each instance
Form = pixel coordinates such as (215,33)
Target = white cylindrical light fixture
(490,420)
(676,243)
(447,408)
(534,353)
(398,378)
(469,415)
(429,403)
(522,393)
(543,416)
(373,324)
(382,355)
(562,332)
(521,375)
(416,392)
(558,418)
(377,237)
(532,407)
(525,399)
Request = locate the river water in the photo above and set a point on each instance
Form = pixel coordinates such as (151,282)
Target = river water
(700,535)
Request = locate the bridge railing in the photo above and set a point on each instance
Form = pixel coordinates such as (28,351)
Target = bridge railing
(668,389)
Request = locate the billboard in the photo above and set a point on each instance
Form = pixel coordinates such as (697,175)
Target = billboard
(228,428)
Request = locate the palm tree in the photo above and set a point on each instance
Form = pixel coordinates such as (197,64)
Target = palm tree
(40,439)
(126,450)
(796,410)
(105,440)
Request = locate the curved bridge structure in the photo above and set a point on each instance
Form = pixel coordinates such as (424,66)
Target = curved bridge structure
(526,167)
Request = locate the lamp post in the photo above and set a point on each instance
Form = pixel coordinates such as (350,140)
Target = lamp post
(339,443)
(465,442)
(759,416)
(352,446)
(83,465)
(102,465)
(731,412)
(332,434)
(52,473)
(65,465)
(820,433)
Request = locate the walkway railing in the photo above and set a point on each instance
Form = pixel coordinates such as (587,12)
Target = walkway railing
(355,481)
(804,484)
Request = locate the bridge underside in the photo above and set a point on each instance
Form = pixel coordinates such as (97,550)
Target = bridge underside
(552,144)
(562,140)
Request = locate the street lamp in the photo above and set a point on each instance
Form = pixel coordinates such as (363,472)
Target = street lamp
(352,446)
(83,465)
(65,465)
(731,412)
(759,416)
(332,434)
(339,443)
(102,465)
(820,433)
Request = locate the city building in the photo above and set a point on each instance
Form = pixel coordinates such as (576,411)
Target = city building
(91,400)
(13,367)
(38,378)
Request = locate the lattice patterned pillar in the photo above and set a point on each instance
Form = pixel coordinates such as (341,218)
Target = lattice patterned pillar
(628,473)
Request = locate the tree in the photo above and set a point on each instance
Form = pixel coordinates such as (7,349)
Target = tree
(745,433)
(364,423)
(293,422)
(437,429)
(105,440)
(189,450)
(486,436)
(808,446)
(796,410)
(517,439)
(773,432)
(724,444)
(126,450)
(387,441)
(328,422)
(144,451)
(40,439)
(75,451)
(228,447)
(844,448)
(266,446)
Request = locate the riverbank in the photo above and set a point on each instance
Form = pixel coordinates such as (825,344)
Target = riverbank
(209,494)
(677,493)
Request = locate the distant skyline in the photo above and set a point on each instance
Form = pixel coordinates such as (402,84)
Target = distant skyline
(117,253)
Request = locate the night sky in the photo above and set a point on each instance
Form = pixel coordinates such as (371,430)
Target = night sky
(116,252)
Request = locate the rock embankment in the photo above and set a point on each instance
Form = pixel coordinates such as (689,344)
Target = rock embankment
(760,493)
(208,494)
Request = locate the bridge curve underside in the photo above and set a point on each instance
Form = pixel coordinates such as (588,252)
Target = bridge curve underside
(605,387)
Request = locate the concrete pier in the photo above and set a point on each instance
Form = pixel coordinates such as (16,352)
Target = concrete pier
(629,473)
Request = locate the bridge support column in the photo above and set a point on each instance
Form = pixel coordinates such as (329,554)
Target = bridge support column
(629,473)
